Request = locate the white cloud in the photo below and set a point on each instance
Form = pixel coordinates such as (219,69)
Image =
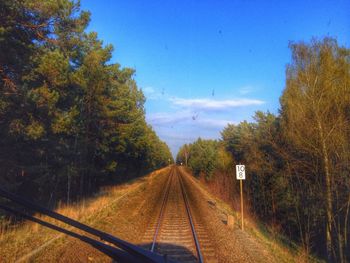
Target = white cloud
(246,90)
(152,94)
(176,136)
(160,118)
(183,120)
(214,123)
(187,118)
(211,104)
(148,90)
(178,129)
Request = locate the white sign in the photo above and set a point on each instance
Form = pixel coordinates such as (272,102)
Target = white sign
(240,172)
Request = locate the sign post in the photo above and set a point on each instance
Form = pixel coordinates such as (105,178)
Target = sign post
(240,175)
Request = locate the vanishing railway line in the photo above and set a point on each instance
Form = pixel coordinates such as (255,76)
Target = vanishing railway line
(174,232)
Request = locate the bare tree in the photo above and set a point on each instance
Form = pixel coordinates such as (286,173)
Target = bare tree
(314,112)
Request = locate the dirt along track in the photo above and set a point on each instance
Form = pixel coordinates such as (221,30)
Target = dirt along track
(175,232)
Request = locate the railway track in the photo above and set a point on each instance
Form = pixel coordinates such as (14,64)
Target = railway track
(175,233)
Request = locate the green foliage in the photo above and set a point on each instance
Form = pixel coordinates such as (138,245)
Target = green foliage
(70,119)
(35,130)
(224,159)
(202,157)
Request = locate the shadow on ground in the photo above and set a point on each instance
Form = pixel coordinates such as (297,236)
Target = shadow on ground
(174,252)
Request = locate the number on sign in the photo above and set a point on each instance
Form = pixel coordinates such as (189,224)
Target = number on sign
(240,172)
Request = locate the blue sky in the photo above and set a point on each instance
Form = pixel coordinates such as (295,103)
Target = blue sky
(203,64)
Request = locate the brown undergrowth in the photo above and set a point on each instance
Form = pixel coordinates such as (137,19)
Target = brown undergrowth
(255,244)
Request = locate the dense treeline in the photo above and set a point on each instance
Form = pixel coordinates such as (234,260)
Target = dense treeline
(70,120)
(204,156)
(298,161)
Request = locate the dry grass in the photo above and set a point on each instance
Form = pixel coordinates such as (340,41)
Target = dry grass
(18,241)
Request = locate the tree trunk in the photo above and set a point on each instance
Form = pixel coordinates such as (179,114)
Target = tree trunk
(347,254)
(329,208)
(340,243)
(68,186)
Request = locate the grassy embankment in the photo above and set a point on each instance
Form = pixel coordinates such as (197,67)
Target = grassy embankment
(266,237)
(108,211)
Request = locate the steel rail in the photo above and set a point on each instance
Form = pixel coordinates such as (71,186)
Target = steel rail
(162,209)
(188,212)
(196,241)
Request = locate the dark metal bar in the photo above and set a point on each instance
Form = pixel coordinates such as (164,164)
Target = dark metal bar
(112,252)
(199,254)
(145,255)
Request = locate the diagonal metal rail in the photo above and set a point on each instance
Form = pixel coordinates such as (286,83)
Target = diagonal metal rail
(113,252)
(137,252)
(196,241)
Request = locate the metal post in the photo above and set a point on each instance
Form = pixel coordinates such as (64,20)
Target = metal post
(242,217)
